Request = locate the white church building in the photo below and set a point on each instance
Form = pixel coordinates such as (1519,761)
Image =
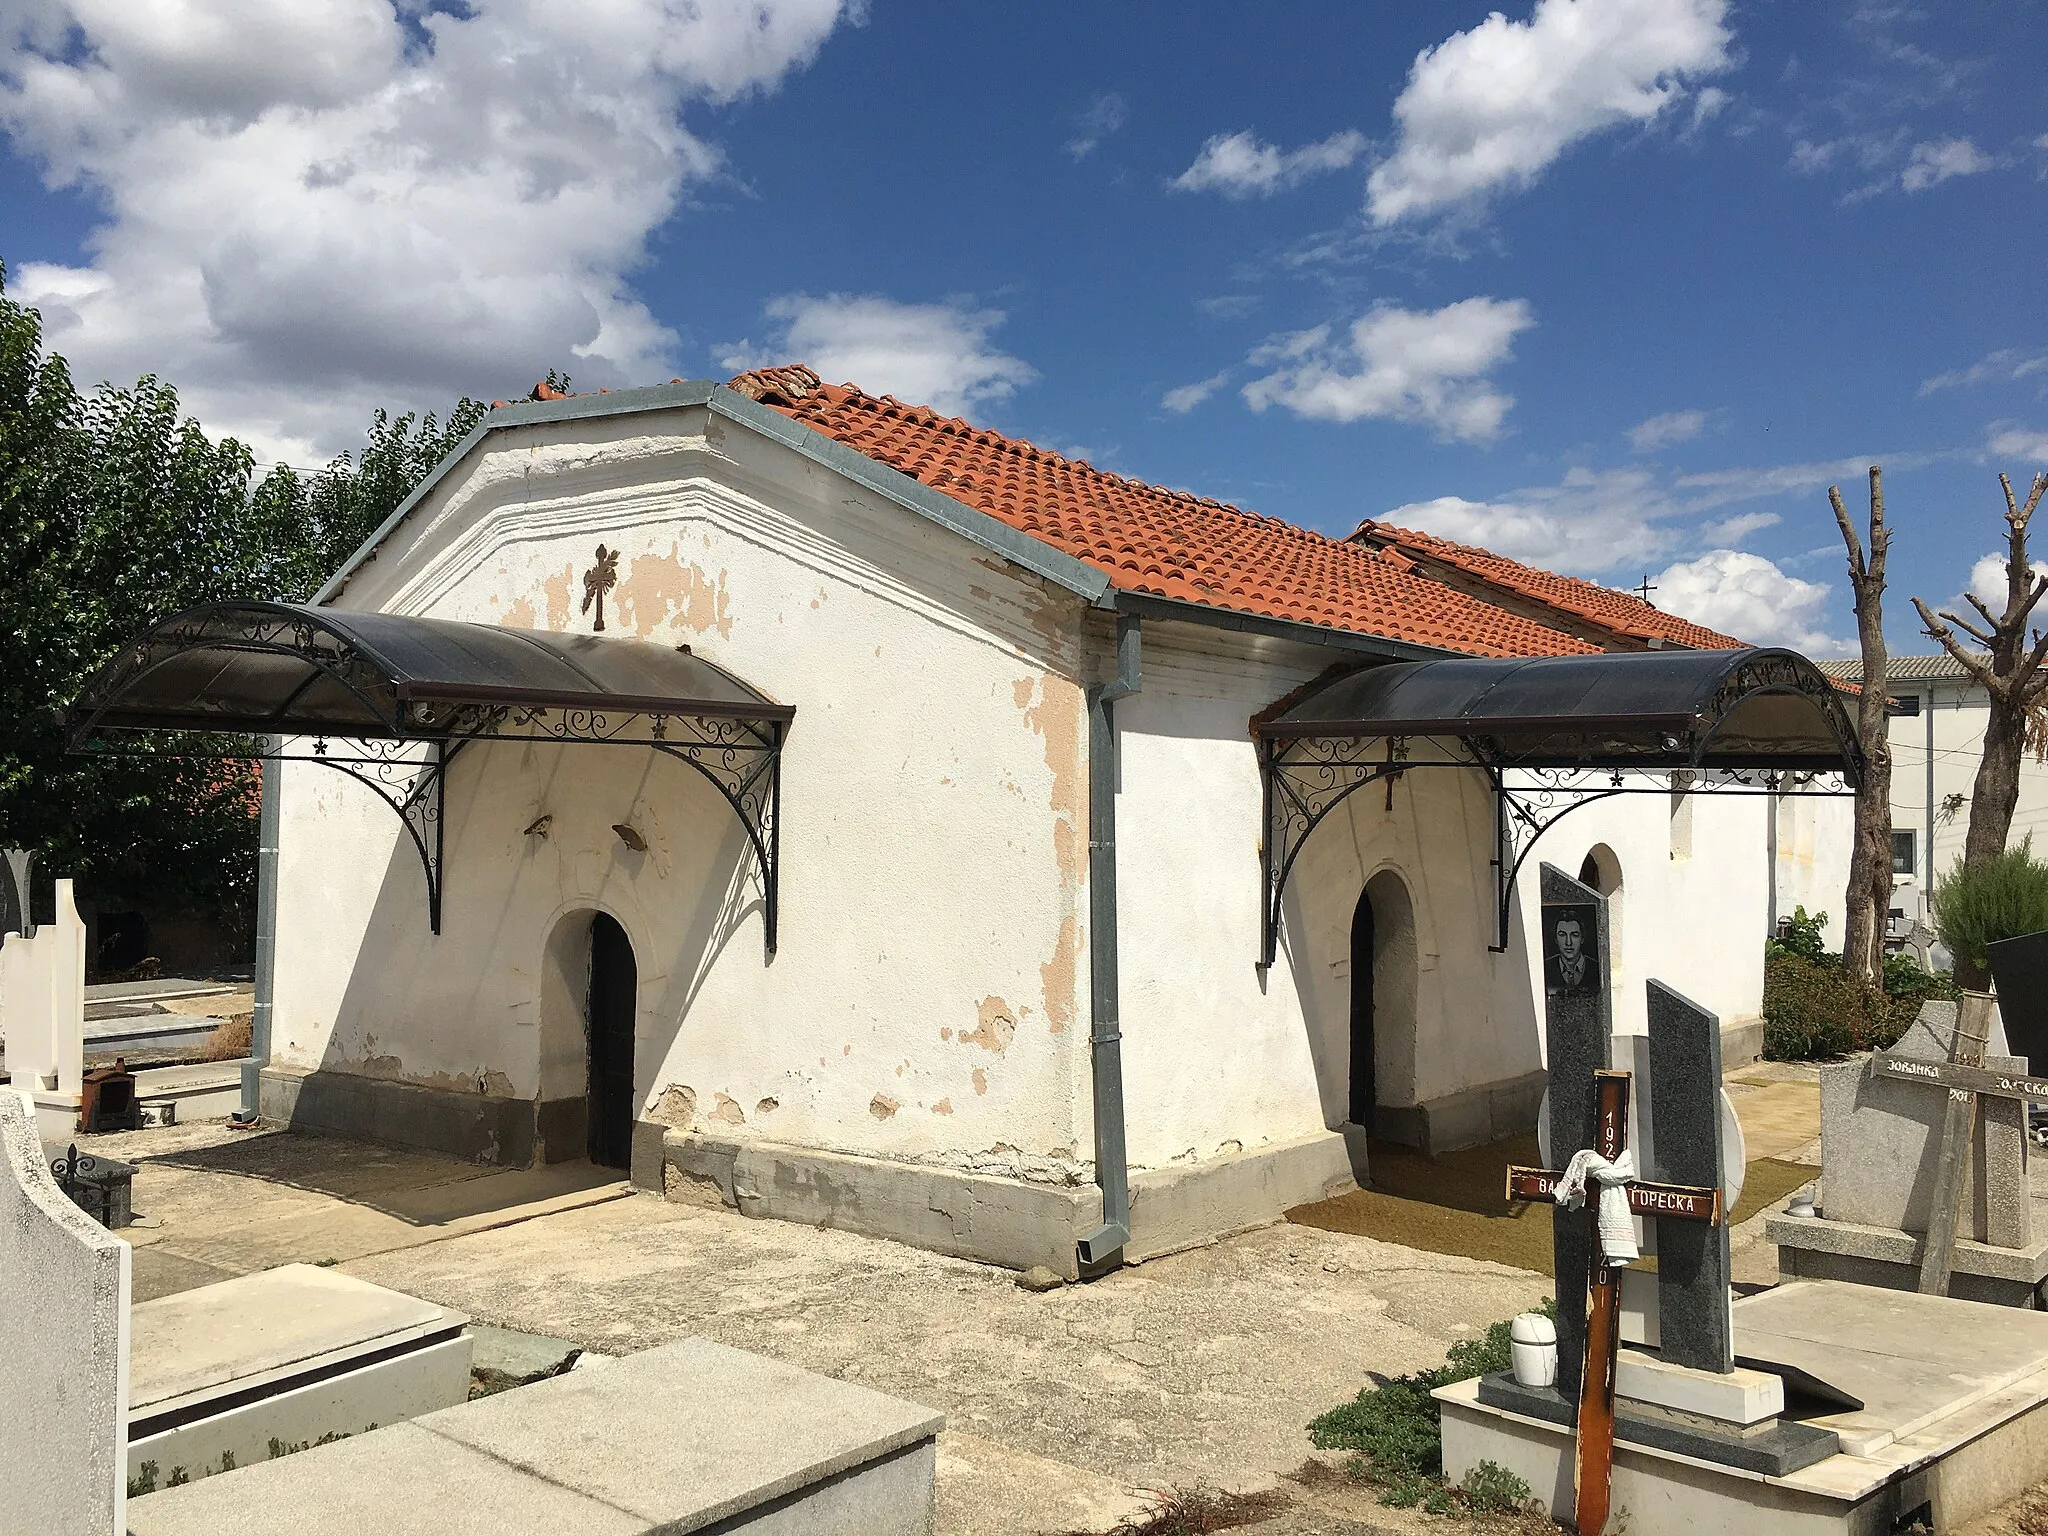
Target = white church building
(821,806)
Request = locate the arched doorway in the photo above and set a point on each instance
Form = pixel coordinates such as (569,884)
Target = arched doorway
(611,1006)
(1383,981)
(1364,1092)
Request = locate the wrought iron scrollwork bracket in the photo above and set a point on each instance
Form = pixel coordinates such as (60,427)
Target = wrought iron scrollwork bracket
(1305,780)
(746,768)
(414,788)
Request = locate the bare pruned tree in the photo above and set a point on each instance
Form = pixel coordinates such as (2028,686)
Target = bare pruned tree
(2009,671)
(1869,895)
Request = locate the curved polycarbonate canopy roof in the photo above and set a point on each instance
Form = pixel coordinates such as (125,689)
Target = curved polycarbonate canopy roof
(1738,709)
(290,669)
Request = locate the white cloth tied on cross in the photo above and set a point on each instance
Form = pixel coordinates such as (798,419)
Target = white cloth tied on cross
(1611,1219)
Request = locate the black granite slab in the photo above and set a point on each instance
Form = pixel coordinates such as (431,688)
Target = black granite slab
(2019,969)
(1578,1025)
(1785,1447)
(1693,1323)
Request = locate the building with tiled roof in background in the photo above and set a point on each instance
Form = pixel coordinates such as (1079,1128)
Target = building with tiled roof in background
(1031,702)
(1937,720)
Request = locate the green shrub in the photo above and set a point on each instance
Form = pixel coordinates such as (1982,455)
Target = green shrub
(1974,908)
(1813,1009)
(1803,938)
(1394,1426)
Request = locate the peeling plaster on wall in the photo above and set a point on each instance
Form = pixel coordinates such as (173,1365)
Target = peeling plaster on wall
(666,589)
(882,1107)
(677,1107)
(728,1110)
(1056,711)
(980,1079)
(995,1026)
(519,614)
(556,590)
(1060,973)
(767,1106)
(943,1107)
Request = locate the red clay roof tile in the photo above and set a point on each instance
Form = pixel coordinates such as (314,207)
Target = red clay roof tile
(1152,540)
(1622,613)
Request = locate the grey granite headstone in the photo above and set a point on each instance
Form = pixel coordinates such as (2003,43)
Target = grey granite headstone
(1578,1022)
(2020,969)
(1880,1140)
(15,864)
(1692,1257)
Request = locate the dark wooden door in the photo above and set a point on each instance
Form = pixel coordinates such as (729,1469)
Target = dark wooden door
(1364,1091)
(614,990)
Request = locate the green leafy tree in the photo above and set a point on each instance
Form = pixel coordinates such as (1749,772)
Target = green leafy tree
(119,511)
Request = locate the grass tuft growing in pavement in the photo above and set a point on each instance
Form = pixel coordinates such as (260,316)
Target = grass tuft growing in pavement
(1196,1511)
(1395,1427)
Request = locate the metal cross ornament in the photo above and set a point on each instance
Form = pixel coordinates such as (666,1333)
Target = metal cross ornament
(1608,1166)
(598,580)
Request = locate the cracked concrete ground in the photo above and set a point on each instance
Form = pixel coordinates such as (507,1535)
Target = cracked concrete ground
(1200,1368)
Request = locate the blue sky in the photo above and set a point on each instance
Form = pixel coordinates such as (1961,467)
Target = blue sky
(1618,286)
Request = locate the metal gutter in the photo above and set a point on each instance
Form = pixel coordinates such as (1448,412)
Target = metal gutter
(1146,605)
(1105,1036)
(266,942)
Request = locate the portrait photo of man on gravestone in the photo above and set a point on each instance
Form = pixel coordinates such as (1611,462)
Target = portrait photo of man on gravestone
(1569,969)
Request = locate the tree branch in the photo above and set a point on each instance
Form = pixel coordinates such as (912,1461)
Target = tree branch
(1857,573)
(1939,631)
(1970,629)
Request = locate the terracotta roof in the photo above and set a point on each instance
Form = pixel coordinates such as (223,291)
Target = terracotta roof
(1900,669)
(1152,540)
(1622,613)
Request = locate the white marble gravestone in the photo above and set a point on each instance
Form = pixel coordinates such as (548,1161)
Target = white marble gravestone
(63,1349)
(42,1014)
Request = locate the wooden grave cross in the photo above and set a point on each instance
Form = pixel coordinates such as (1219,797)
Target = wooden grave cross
(1963,1078)
(1595,1462)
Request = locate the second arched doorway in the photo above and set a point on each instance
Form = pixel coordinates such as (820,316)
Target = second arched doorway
(611,1008)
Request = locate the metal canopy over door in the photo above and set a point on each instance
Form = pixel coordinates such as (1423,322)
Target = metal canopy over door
(390,699)
(610,1012)
(1550,734)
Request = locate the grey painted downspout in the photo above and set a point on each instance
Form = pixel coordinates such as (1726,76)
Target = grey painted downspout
(1112,1168)
(1926,913)
(266,942)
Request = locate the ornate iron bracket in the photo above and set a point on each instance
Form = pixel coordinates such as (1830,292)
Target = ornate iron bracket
(1306,778)
(412,787)
(746,768)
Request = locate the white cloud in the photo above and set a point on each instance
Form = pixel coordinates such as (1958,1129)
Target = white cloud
(1932,163)
(2007,441)
(1747,596)
(1592,522)
(1238,165)
(1184,399)
(924,354)
(2008,365)
(1662,431)
(1717,488)
(315,208)
(1409,365)
(1102,117)
(1988,582)
(1733,530)
(1492,108)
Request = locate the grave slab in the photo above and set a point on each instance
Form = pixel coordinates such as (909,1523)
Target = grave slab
(693,1436)
(288,1354)
(1954,1421)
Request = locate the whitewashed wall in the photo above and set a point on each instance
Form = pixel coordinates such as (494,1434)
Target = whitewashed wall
(1218,1055)
(63,1350)
(928,999)
(1816,836)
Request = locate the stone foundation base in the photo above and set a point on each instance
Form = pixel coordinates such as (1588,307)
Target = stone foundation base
(1471,1117)
(476,1127)
(1815,1248)
(970,1216)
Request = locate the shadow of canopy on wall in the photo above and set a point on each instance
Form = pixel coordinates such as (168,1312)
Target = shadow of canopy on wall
(391,699)
(1550,734)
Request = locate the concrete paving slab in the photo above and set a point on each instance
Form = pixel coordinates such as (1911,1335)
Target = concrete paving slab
(521,1356)
(255,1325)
(612,1433)
(982,1485)
(1912,1360)
(347,1487)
